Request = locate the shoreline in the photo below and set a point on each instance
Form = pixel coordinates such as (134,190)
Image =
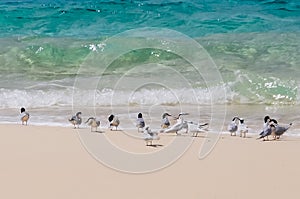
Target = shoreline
(218,115)
(292,132)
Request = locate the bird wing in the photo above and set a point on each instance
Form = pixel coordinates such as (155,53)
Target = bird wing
(232,127)
(242,127)
(79,120)
(147,135)
(116,121)
(279,130)
(176,127)
(22,115)
(73,118)
(266,132)
(98,123)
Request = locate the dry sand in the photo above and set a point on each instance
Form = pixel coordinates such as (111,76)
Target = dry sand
(51,162)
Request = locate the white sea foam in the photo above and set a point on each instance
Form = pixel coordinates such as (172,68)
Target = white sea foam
(106,97)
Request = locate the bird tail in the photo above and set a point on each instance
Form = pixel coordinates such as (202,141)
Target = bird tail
(162,131)
(259,137)
(261,133)
(289,125)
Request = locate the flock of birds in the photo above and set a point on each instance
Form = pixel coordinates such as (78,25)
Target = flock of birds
(76,120)
(237,125)
(270,128)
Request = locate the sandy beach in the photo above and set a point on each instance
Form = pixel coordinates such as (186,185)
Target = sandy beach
(202,63)
(52,162)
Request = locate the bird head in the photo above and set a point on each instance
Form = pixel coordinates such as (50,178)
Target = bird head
(242,120)
(111,117)
(22,109)
(165,115)
(273,120)
(267,118)
(182,114)
(234,119)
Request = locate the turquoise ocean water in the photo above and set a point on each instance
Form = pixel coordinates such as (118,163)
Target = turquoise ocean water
(46,48)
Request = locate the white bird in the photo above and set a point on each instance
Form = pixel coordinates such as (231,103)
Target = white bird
(233,126)
(201,128)
(24,116)
(149,136)
(242,128)
(76,119)
(180,124)
(140,123)
(93,123)
(113,121)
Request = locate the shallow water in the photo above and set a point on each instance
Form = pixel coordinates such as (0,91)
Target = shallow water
(218,116)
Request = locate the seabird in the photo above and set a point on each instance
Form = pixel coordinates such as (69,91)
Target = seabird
(24,116)
(279,130)
(180,124)
(76,119)
(93,123)
(201,128)
(268,121)
(233,126)
(267,131)
(150,136)
(165,121)
(242,128)
(113,121)
(140,123)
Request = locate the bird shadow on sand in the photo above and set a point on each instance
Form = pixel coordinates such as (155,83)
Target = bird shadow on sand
(186,135)
(199,136)
(281,140)
(118,130)
(98,131)
(271,140)
(174,135)
(155,145)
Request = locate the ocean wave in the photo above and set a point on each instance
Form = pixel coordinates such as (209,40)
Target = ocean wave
(106,97)
(256,69)
(241,91)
